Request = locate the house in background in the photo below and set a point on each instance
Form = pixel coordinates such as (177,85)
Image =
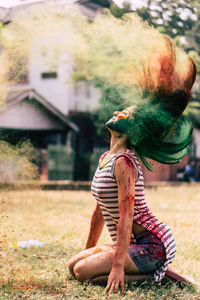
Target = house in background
(55,115)
(46,108)
(28,116)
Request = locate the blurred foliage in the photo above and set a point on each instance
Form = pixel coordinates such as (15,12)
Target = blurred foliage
(175,18)
(119,12)
(180,19)
(1,26)
(17,162)
(194,113)
(113,99)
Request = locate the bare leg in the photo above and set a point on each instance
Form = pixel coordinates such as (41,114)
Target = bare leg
(102,279)
(100,264)
(172,275)
(95,264)
(86,253)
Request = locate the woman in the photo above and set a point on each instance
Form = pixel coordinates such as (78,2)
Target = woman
(154,129)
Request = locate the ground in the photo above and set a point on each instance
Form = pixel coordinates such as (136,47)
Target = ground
(60,219)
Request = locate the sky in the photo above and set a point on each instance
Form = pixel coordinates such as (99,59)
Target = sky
(134,3)
(10,3)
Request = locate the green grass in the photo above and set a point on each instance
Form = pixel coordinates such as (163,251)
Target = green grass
(61,220)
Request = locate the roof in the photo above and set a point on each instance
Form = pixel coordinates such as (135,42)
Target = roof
(8,14)
(88,7)
(95,4)
(17,94)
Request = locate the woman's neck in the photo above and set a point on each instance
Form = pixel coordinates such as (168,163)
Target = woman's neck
(117,143)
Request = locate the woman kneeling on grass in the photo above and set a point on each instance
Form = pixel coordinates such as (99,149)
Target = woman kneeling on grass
(156,129)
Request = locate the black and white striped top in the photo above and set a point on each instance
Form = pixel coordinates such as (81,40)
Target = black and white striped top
(105,190)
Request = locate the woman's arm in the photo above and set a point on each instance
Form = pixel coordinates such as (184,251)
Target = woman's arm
(125,177)
(96,227)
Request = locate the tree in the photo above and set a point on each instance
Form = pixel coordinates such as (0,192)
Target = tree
(113,99)
(175,18)
(119,12)
(113,96)
(179,19)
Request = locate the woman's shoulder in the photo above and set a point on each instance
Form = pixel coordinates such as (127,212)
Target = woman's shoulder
(103,156)
(130,154)
(129,157)
(123,168)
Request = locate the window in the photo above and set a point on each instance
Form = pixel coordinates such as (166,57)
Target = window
(49,75)
(18,70)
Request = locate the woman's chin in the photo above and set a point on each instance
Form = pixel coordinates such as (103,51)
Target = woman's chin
(109,124)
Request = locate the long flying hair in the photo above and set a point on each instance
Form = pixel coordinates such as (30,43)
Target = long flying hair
(159,130)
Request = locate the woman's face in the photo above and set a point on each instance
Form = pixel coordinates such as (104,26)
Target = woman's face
(119,120)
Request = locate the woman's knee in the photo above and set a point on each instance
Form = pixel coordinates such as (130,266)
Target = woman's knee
(70,265)
(88,268)
(80,271)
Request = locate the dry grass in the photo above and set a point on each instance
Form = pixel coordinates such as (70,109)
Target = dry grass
(61,220)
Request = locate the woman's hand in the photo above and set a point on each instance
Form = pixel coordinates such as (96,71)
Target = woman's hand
(115,279)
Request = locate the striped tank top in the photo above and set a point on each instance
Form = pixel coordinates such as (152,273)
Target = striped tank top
(105,189)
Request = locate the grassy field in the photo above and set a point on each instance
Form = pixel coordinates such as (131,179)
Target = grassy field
(61,220)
